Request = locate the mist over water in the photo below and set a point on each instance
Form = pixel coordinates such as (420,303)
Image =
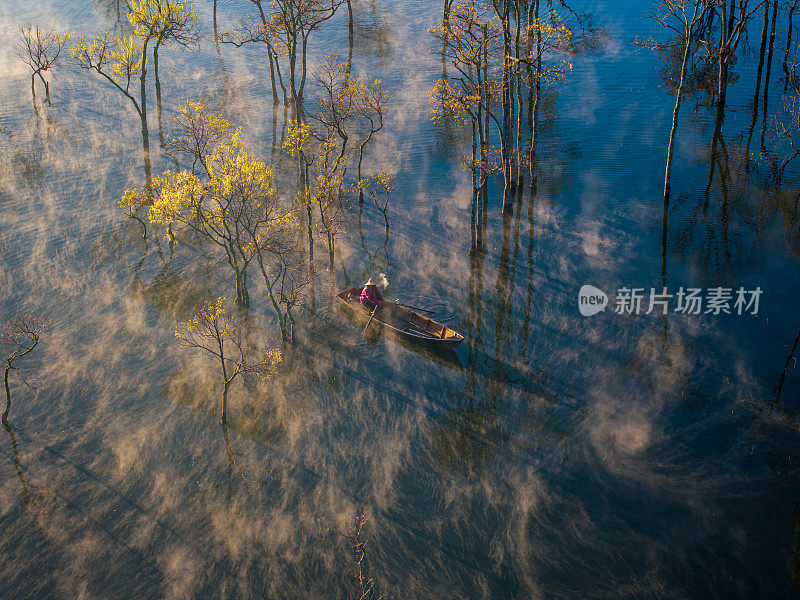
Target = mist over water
(551,456)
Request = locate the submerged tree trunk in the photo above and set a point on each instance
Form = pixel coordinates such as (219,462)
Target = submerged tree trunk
(275,99)
(242,297)
(158,93)
(4,418)
(304,65)
(761,51)
(473,246)
(769,69)
(506,132)
(46,88)
(787,74)
(143,117)
(673,129)
(518,179)
(350,21)
(224,418)
(33,94)
(535,90)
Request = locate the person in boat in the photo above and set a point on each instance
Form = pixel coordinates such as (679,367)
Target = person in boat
(371,295)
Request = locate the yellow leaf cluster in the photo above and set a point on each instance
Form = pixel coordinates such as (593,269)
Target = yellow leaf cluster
(448,101)
(298,138)
(126,58)
(155,17)
(208,313)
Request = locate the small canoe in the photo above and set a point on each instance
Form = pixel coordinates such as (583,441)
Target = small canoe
(403,321)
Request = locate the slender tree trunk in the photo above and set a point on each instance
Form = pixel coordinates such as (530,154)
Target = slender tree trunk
(761,54)
(349,51)
(304,65)
(273,301)
(722,76)
(518,76)
(292,72)
(242,297)
(33,93)
(534,86)
(482,165)
(143,116)
(474,202)
(309,211)
(350,21)
(275,100)
(671,146)
(224,419)
(280,80)
(786,73)
(330,251)
(769,68)
(715,139)
(757,94)
(4,418)
(506,131)
(158,93)
(487,100)
(484,217)
(361,156)
(46,90)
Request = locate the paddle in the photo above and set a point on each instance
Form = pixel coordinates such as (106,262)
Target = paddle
(370,318)
(430,312)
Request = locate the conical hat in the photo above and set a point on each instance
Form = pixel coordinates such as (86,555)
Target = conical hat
(369,282)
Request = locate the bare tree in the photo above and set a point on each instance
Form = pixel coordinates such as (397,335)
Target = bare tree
(495,57)
(119,60)
(786,129)
(18,338)
(40,50)
(221,332)
(682,18)
(284,26)
(733,23)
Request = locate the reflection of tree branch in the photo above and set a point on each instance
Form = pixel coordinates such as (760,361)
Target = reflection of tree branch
(33,495)
(363,587)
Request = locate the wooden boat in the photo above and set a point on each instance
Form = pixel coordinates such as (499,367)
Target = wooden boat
(403,321)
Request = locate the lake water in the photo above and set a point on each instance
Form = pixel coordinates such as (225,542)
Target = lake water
(551,456)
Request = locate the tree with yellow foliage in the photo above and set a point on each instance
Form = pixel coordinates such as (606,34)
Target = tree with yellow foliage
(221,332)
(497,50)
(197,132)
(322,164)
(347,114)
(176,24)
(118,59)
(40,50)
(122,59)
(234,207)
(230,202)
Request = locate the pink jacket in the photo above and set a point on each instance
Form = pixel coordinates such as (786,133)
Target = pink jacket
(371,294)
